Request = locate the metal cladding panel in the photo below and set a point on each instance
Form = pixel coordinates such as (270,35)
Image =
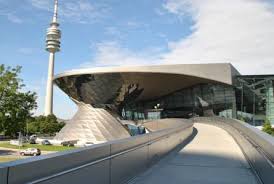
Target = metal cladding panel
(3,175)
(179,137)
(128,165)
(168,142)
(221,72)
(97,174)
(184,134)
(27,170)
(93,86)
(264,140)
(156,150)
(113,162)
(94,125)
(262,167)
(117,88)
(156,135)
(165,123)
(126,144)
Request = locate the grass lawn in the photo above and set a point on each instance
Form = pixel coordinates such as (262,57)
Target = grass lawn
(41,147)
(8,159)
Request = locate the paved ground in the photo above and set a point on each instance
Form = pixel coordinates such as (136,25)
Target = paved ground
(211,157)
(10,151)
(9,154)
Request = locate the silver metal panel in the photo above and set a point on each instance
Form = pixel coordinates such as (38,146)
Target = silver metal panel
(3,175)
(156,150)
(94,125)
(183,135)
(173,141)
(221,72)
(179,137)
(156,135)
(161,124)
(98,173)
(260,164)
(36,168)
(112,162)
(97,90)
(128,165)
(265,141)
(93,86)
(129,143)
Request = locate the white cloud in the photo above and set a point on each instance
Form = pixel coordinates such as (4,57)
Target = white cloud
(26,50)
(179,7)
(81,11)
(111,53)
(42,4)
(11,17)
(237,31)
(115,32)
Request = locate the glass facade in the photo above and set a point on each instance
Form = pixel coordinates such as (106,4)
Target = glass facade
(255,101)
(139,96)
(251,99)
(197,100)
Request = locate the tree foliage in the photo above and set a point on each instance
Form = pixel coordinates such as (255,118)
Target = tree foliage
(44,125)
(267,127)
(15,104)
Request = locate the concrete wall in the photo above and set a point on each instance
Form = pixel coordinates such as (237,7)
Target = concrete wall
(257,146)
(112,162)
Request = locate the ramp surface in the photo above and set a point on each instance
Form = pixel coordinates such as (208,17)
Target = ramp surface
(211,157)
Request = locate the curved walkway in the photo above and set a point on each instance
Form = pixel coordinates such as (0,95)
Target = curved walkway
(211,157)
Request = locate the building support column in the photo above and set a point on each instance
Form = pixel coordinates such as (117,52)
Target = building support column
(234,106)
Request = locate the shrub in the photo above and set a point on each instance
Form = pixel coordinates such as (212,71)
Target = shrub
(267,128)
(45,125)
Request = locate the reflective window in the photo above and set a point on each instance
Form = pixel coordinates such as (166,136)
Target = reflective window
(254,97)
(197,100)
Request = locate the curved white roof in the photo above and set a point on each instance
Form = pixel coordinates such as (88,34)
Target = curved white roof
(219,72)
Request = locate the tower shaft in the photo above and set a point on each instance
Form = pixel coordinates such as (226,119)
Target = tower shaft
(52,46)
(49,91)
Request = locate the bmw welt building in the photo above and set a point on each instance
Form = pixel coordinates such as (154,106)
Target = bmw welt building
(107,96)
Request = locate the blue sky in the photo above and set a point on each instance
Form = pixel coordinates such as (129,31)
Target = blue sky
(115,32)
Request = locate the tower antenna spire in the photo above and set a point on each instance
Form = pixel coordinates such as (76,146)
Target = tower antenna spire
(53,42)
(55,14)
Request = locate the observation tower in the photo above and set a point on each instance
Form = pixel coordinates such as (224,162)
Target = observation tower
(52,46)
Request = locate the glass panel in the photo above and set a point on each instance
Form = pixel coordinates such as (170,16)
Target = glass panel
(255,100)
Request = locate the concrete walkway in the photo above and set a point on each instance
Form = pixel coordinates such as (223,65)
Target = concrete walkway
(211,157)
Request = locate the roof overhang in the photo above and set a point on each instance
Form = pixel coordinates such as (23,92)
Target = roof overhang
(219,72)
(113,84)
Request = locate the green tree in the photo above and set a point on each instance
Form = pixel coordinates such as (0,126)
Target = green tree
(267,127)
(33,126)
(15,104)
(45,125)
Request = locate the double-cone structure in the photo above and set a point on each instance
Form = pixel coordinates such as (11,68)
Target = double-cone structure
(93,125)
